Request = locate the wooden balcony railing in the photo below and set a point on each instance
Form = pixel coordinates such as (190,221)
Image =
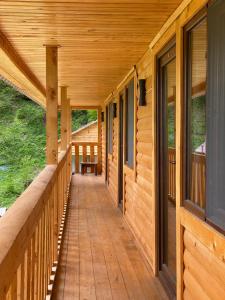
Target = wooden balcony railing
(85,151)
(29,233)
(198,177)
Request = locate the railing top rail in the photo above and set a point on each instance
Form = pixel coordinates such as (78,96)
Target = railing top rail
(85,143)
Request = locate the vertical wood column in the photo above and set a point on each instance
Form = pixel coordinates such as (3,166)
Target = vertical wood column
(179,160)
(64,118)
(69,122)
(99,141)
(52,104)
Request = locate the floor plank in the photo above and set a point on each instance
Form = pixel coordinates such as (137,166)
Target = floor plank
(99,257)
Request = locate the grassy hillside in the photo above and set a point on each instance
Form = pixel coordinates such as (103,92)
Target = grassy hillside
(22,141)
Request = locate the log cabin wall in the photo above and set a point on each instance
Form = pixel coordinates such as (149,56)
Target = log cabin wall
(113,160)
(200,248)
(138,195)
(89,133)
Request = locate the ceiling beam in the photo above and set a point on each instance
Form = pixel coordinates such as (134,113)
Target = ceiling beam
(18,62)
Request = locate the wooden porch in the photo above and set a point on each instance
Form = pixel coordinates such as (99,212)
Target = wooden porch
(131,61)
(99,257)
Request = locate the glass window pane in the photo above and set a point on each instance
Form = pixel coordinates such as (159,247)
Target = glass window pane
(170,209)
(130,125)
(196,118)
(111,128)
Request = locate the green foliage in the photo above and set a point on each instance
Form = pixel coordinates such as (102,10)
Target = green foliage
(23,141)
(82,117)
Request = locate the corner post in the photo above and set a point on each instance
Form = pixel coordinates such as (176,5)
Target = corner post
(52,104)
(69,122)
(64,118)
(99,141)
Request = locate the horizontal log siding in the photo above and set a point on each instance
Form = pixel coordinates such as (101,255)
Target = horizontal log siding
(113,164)
(204,273)
(138,188)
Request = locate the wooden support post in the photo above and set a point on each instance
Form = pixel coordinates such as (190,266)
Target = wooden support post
(99,142)
(64,118)
(92,158)
(84,157)
(77,162)
(52,104)
(69,122)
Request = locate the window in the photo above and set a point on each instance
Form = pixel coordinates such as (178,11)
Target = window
(196,66)
(204,49)
(110,128)
(129,147)
(215,159)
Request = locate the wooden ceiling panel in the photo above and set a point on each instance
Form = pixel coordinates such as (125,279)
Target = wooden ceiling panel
(100,40)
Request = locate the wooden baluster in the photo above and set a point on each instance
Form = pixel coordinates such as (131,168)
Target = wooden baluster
(13,289)
(9,294)
(60,200)
(33,262)
(55,221)
(29,262)
(48,244)
(22,277)
(43,254)
(19,280)
(37,268)
(64,185)
(40,292)
(45,247)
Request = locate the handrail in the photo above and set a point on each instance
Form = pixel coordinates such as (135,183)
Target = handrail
(29,233)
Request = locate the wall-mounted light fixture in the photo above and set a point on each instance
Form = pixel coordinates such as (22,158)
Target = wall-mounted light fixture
(114,109)
(142,89)
(102,116)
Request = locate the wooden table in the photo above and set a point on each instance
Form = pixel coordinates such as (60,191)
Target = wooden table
(85,164)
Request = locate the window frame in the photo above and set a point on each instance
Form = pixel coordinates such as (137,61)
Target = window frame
(195,21)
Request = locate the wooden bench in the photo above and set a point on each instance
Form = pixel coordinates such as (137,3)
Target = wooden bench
(85,164)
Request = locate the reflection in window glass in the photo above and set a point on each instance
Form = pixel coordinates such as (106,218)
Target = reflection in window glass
(170,78)
(110,128)
(130,125)
(196,114)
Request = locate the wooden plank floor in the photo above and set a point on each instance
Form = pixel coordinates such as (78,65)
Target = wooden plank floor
(99,257)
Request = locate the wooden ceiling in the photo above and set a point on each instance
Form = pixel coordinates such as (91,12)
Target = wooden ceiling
(100,41)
